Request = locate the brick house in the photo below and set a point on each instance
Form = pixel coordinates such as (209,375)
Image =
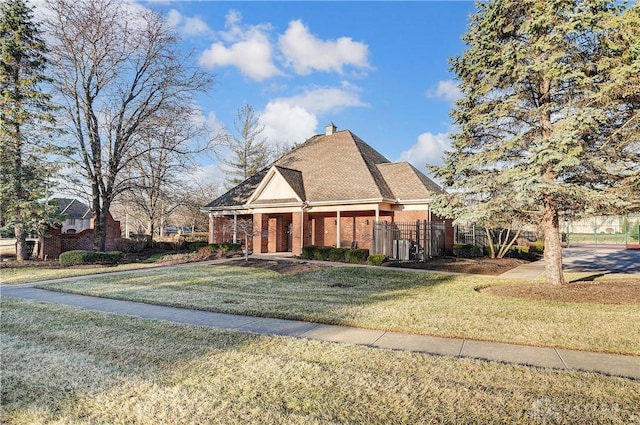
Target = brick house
(77,216)
(327,191)
(76,231)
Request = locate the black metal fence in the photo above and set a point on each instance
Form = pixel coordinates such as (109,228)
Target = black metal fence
(477,235)
(418,241)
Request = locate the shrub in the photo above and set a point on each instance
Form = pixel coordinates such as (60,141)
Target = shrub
(321,253)
(324,253)
(536,247)
(357,256)
(376,259)
(466,250)
(518,251)
(195,246)
(79,257)
(308,252)
(337,254)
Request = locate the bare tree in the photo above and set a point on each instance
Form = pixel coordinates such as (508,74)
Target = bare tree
(196,194)
(165,150)
(245,228)
(116,65)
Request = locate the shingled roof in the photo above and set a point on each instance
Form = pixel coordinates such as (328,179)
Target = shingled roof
(72,208)
(337,167)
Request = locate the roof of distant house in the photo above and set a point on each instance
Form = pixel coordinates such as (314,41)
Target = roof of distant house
(337,167)
(72,208)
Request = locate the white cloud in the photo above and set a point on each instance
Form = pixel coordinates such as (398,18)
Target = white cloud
(206,174)
(294,119)
(324,100)
(306,53)
(286,123)
(189,26)
(428,150)
(246,47)
(446,90)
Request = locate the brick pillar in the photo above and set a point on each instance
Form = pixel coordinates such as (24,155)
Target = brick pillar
(300,231)
(260,228)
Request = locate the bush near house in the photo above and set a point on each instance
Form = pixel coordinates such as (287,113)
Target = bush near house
(80,257)
(461,250)
(221,249)
(338,254)
(357,256)
(376,259)
(328,253)
(536,247)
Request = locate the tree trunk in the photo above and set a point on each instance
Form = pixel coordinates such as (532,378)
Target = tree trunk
(552,245)
(150,230)
(21,240)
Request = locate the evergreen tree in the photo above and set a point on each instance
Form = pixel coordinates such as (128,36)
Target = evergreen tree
(548,122)
(249,151)
(25,120)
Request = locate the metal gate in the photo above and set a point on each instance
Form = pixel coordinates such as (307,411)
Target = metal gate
(418,241)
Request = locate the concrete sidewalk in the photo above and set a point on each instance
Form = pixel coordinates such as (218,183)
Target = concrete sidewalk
(610,364)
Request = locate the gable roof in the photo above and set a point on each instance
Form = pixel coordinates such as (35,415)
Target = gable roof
(337,167)
(72,208)
(280,185)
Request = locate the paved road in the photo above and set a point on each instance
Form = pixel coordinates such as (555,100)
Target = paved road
(601,260)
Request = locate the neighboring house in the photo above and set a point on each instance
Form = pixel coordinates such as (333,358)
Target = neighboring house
(328,191)
(76,231)
(77,216)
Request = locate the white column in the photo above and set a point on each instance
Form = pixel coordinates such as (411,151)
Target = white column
(338,229)
(211,229)
(302,239)
(235,227)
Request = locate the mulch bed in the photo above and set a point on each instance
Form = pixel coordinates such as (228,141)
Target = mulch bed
(615,291)
(483,266)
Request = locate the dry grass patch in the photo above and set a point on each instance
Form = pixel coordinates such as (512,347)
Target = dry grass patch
(66,365)
(421,303)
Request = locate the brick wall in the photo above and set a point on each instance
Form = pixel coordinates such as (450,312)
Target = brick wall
(56,242)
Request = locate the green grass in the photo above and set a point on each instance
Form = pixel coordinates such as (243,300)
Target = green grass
(602,238)
(421,303)
(72,366)
(17,275)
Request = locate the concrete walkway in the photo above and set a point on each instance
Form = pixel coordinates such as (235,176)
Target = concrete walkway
(554,358)
(528,271)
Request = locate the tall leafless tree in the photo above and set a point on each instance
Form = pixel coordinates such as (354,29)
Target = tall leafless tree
(116,65)
(165,151)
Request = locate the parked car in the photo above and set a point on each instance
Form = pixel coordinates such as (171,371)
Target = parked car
(172,230)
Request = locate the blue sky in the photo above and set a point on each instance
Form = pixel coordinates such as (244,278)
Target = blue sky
(379,69)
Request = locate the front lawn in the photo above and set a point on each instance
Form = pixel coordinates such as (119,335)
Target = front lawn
(422,303)
(72,366)
(18,275)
